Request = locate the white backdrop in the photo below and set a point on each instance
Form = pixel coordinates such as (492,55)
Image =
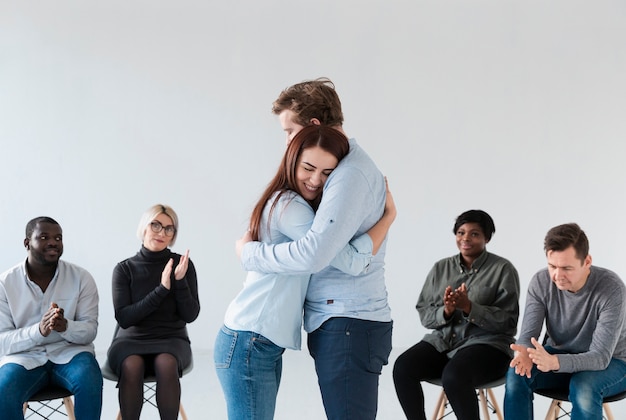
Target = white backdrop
(513,107)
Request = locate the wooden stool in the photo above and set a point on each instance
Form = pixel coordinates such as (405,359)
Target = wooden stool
(484,393)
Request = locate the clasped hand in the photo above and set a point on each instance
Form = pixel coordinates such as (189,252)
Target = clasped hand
(456,299)
(53,319)
(525,357)
(179,272)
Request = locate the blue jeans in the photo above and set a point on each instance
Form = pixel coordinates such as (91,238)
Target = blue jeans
(81,376)
(586,390)
(349,356)
(249,367)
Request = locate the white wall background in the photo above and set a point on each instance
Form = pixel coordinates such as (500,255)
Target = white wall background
(514,107)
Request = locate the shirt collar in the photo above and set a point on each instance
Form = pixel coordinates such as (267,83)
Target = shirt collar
(476,266)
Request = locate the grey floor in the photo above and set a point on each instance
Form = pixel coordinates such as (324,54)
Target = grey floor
(298,397)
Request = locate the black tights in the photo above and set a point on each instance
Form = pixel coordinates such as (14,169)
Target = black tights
(131,385)
(469,368)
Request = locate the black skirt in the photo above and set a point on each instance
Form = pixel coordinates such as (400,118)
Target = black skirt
(122,347)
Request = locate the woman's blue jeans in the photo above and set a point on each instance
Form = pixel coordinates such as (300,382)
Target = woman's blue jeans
(81,376)
(586,390)
(249,367)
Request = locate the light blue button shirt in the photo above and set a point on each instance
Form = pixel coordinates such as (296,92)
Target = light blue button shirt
(23,303)
(271,304)
(353,201)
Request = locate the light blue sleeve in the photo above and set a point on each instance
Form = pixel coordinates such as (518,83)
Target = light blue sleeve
(82,314)
(355,257)
(345,204)
(295,219)
(15,340)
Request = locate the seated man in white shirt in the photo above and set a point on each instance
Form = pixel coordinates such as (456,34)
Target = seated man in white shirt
(48,321)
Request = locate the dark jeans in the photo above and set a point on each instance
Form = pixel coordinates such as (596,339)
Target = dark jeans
(460,375)
(349,356)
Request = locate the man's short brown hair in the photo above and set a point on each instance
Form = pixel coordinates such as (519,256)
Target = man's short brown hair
(561,237)
(311,99)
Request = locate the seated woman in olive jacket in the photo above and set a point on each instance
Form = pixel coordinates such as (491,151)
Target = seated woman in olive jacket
(471,302)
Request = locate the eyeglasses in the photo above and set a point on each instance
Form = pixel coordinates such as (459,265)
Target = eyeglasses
(156,227)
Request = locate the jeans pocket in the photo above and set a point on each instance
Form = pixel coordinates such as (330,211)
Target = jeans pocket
(379,343)
(265,346)
(224,348)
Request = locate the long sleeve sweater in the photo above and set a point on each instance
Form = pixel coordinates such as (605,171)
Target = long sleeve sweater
(586,328)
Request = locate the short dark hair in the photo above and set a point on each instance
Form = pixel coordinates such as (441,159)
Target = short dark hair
(30,226)
(311,99)
(476,216)
(561,237)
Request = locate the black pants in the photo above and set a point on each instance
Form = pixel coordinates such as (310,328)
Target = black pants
(460,375)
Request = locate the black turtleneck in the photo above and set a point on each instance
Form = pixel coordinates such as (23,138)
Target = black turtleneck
(146,309)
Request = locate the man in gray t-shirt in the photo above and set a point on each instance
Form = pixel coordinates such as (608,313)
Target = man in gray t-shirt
(584,309)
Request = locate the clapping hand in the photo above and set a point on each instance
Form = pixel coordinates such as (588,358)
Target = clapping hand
(53,320)
(462,300)
(179,272)
(181,268)
(456,299)
(449,302)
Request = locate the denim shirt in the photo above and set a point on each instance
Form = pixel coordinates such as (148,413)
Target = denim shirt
(353,201)
(493,289)
(271,304)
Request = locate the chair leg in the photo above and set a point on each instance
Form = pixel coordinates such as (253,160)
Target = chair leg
(483,403)
(494,403)
(553,411)
(441,406)
(69,407)
(607,411)
(183,414)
